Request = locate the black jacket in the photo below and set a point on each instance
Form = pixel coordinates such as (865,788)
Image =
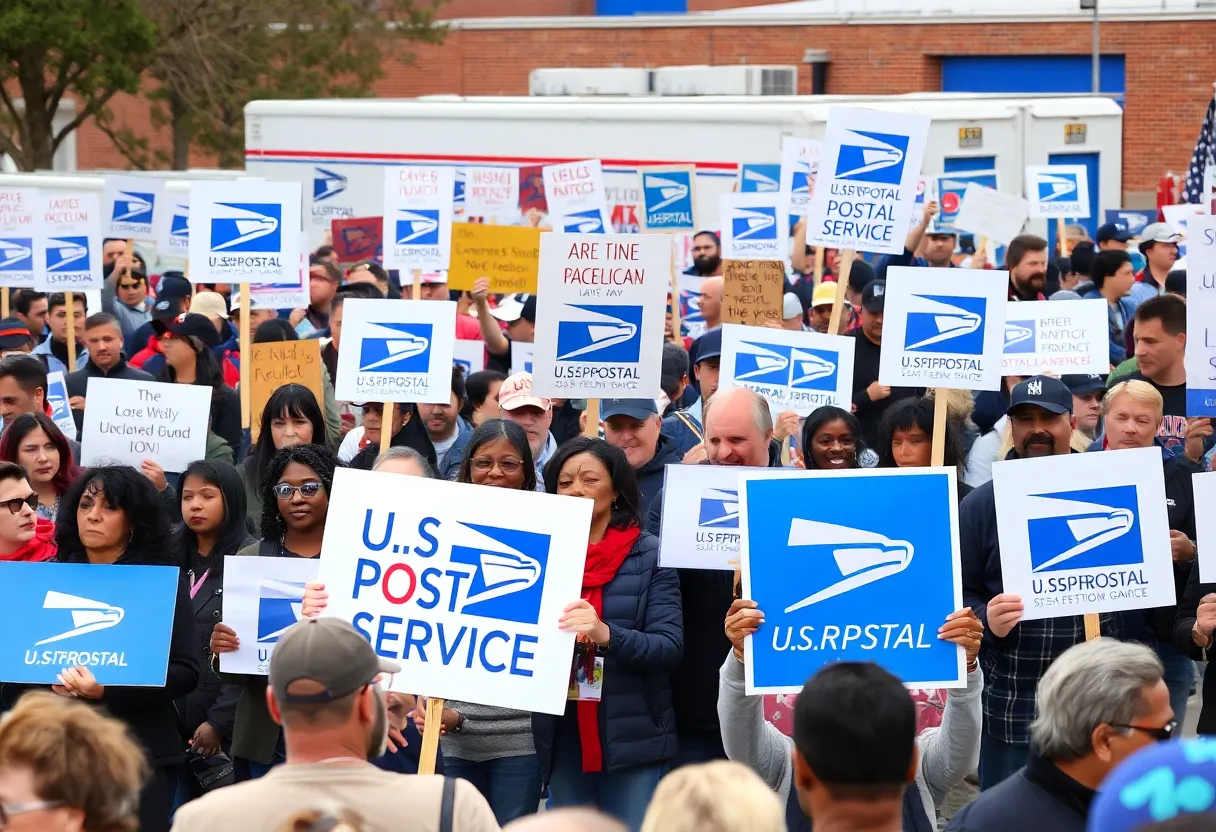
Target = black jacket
(78,381)
(865,372)
(642,611)
(1184,621)
(1038,797)
(1180,506)
(650,475)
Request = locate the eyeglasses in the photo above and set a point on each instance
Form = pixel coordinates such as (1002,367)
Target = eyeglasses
(308,490)
(1159,734)
(14,505)
(507,466)
(7,810)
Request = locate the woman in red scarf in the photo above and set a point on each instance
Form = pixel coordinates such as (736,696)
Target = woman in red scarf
(24,536)
(618,733)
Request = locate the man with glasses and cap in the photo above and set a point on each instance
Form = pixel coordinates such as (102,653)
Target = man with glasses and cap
(326,691)
(1159,245)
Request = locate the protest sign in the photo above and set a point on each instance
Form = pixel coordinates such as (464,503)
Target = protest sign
(1056,337)
(262,598)
(20,237)
(72,241)
(752,291)
(469,356)
(838,581)
(759,178)
(130,421)
(57,398)
(797,371)
(130,205)
(799,169)
(330,200)
(1200,358)
(1134,220)
(358,238)
(508,255)
(669,198)
(1204,486)
(172,229)
(521,356)
(755,226)
(943,328)
(282,362)
(1058,190)
(950,190)
(244,231)
(468,604)
(1084,533)
(690,301)
(926,192)
(114,620)
(290,294)
(992,214)
(868,173)
(396,351)
(491,192)
(578,203)
(600,315)
(418,217)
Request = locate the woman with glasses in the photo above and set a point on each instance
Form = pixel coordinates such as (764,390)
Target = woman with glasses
(66,767)
(291,417)
(36,443)
(295,500)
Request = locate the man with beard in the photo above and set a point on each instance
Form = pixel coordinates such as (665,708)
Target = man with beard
(706,255)
(325,690)
(1026,259)
(1014,655)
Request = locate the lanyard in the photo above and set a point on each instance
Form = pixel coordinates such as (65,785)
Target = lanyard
(197,585)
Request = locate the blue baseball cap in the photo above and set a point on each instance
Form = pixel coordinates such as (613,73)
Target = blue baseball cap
(710,345)
(1156,784)
(640,409)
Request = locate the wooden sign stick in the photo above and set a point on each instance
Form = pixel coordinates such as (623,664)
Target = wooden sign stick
(937,453)
(416,286)
(592,428)
(817,276)
(847,256)
(430,735)
(386,422)
(69,299)
(4,302)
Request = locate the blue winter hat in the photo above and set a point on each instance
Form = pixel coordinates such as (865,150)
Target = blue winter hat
(1156,784)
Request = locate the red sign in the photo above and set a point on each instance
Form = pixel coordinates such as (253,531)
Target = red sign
(358,239)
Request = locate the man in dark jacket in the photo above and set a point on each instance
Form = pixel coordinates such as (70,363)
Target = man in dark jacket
(103,337)
(1014,655)
(870,398)
(633,425)
(1099,703)
(738,431)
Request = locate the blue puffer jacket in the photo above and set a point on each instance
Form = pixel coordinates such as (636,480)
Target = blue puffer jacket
(637,721)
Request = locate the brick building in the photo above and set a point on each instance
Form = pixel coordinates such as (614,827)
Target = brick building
(1156,55)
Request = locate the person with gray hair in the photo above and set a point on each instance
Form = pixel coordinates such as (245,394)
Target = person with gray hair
(1098,703)
(401,459)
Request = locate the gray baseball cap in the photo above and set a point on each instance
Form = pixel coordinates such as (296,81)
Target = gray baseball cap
(329,654)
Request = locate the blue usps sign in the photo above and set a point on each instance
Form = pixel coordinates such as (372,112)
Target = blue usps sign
(759,178)
(839,581)
(114,620)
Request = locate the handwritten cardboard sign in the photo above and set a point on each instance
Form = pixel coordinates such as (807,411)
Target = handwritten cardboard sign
(279,363)
(508,255)
(753,291)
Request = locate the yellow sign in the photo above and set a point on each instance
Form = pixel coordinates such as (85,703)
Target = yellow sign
(509,255)
(1075,133)
(275,364)
(970,137)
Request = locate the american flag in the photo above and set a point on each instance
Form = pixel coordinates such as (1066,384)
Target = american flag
(1205,147)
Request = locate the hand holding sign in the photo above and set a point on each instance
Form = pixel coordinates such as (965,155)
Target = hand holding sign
(78,682)
(743,620)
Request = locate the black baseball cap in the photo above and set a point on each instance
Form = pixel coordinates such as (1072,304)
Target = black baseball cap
(1045,392)
(1083,383)
(874,296)
(1113,231)
(640,409)
(188,324)
(861,274)
(330,656)
(1175,282)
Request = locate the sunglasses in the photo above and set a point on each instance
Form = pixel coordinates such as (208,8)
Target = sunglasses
(1159,734)
(15,504)
(285,492)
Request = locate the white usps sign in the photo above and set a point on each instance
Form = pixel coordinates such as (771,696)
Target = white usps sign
(578,203)
(1058,190)
(71,242)
(1200,358)
(244,231)
(755,226)
(463,584)
(20,237)
(396,351)
(1084,533)
(989,213)
(799,170)
(1057,337)
(470,356)
(867,186)
(521,356)
(491,192)
(57,398)
(417,229)
(599,314)
(263,597)
(173,225)
(943,328)
(797,371)
(132,421)
(130,205)
(1204,486)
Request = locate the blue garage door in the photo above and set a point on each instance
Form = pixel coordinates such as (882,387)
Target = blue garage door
(1030,73)
(628,7)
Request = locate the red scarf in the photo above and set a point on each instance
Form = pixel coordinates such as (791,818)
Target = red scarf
(603,561)
(40,547)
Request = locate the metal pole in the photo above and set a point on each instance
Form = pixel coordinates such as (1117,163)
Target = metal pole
(1097,56)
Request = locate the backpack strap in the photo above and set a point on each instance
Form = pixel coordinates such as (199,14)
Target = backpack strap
(447,808)
(690,424)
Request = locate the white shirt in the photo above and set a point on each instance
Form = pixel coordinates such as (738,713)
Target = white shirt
(349,448)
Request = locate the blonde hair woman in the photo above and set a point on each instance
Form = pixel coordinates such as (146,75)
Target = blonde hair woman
(721,796)
(64,767)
